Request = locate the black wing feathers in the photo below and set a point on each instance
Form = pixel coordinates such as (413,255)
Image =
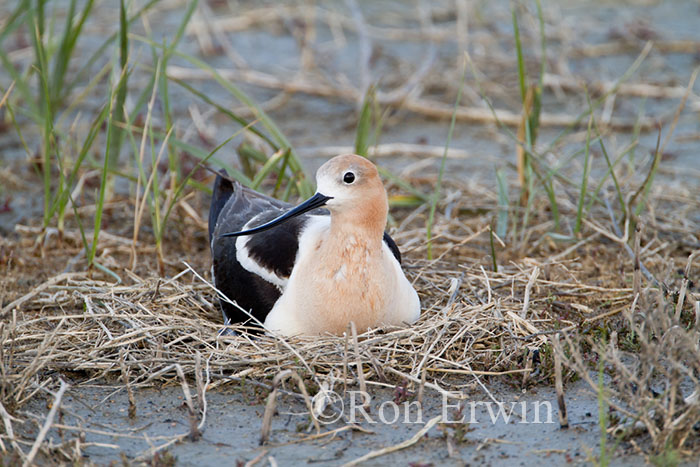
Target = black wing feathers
(223,189)
(276,249)
(392,246)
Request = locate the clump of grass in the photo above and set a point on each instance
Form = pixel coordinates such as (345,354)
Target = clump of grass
(46,103)
(655,386)
(535,175)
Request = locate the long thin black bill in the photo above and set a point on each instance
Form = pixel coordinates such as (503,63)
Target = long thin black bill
(316,201)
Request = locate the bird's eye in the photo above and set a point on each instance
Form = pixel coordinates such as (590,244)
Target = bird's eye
(349,177)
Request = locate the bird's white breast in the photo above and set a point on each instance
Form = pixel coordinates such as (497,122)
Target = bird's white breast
(320,298)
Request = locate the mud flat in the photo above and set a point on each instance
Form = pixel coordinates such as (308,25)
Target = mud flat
(234,419)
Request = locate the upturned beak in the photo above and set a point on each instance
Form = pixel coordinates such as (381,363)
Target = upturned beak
(316,201)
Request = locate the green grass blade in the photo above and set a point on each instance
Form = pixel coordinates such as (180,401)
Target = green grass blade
(164,94)
(535,111)
(103,185)
(107,271)
(584,179)
(438,185)
(240,120)
(365,137)
(181,28)
(184,182)
(118,115)
(248,155)
(531,156)
(503,203)
(195,151)
(15,20)
(65,50)
(22,84)
(267,169)
(47,117)
(251,153)
(41,17)
(95,128)
(80,75)
(79,100)
(611,171)
(646,185)
(280,173)
(174,163)
(303,185)
(403,184)
(364,124)
(594,196)
(111,130)
(22,15)
(522,74)
(598,102)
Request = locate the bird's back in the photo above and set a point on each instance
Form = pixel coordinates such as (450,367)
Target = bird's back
(232,207)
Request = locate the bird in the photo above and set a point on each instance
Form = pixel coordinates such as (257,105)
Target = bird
(314,268)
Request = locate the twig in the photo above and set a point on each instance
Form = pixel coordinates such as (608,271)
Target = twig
(637,279)
(47,424)
(194,433)
(528,288)
(330,433)
(649,276)
(358,363)
(559,384)
(36,291)
(281,339)
(422,106)
(396,149)
(421,386)
(202,387)
(684,285)
(271,404)
(434,386)
(397,447)
(256,459)
(7,93)
(7,421)
(127,383)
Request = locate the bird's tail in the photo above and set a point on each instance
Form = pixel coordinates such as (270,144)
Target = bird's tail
(222,191)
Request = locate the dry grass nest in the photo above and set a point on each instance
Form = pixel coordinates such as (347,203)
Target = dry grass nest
(476,323)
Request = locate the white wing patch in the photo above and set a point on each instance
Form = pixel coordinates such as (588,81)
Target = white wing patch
(252,266)
(406,307)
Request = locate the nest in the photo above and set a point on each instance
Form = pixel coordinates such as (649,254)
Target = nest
(478,321)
